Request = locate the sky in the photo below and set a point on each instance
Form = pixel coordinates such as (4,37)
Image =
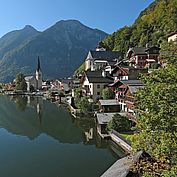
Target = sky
(106,15)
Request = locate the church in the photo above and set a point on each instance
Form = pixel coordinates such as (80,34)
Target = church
(35,82)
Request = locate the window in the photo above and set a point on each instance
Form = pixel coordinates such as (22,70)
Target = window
(98,86)
(98,93)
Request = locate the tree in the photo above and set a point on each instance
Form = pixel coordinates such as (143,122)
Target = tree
(154,23)
(80,69)
(20,82)
(169,52)
(157,117)
(107,93)
(119,123)
(84,105)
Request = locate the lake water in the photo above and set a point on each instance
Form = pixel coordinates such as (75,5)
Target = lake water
(41,139)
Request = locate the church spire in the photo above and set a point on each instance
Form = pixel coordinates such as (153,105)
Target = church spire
(38,64)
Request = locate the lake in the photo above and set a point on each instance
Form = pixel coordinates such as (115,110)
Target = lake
(41,139)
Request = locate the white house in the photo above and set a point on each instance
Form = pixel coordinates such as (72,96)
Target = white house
(99,59)
(93,82)
(172,37)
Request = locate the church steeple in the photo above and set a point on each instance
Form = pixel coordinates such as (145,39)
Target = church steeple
(38,75)
(38,65)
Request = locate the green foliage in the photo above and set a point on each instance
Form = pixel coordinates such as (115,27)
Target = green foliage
(154,66)
(20,82)
(119,123)
(169,52)
(153,24)
(107,93)
(84,105)
(157,115)
(77,93)
(80,70)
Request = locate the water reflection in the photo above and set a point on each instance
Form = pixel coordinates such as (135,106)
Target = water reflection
(56,141)
(37,116)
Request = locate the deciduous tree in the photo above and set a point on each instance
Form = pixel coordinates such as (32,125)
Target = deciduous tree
(157,116)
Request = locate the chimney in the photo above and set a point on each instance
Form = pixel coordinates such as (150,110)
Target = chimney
(103,73)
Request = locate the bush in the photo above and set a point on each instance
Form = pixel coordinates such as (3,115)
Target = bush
(119,123)
(84,105)
(107,93)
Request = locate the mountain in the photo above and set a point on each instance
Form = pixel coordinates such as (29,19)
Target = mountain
(152,26)
(61,49)
(16,38)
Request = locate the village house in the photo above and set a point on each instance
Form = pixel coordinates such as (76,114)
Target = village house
(64,84)
(127,72)
(128,87)
(100,58)
(35,82)
(110,105)
(172,37)
(102,121)
(129,94)
(141,57)
(93,82)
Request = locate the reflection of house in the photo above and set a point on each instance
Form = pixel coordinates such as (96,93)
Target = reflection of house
(89,134)
(93,83)
(99,59)
(172,37)
(109,106)
(35,82)
(139,57)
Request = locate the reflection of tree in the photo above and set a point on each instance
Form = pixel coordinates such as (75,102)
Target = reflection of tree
(21,103)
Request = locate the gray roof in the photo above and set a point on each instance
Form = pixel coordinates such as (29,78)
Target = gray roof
(142,50)
(104,118)
(96,77)
(134,89)
(109,102)
(132,82)
(122,167)
(27,78)
(139,50)
(107,55)
(65,80)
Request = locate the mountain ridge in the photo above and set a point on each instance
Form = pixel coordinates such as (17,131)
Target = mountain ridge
(61,48)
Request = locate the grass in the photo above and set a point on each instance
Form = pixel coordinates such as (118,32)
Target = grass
(127,136)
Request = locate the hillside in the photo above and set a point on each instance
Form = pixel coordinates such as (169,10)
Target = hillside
(152,26)
(17,38)
(61,49)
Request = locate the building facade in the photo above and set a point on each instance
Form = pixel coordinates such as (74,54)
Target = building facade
(140,57)
(34,83)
